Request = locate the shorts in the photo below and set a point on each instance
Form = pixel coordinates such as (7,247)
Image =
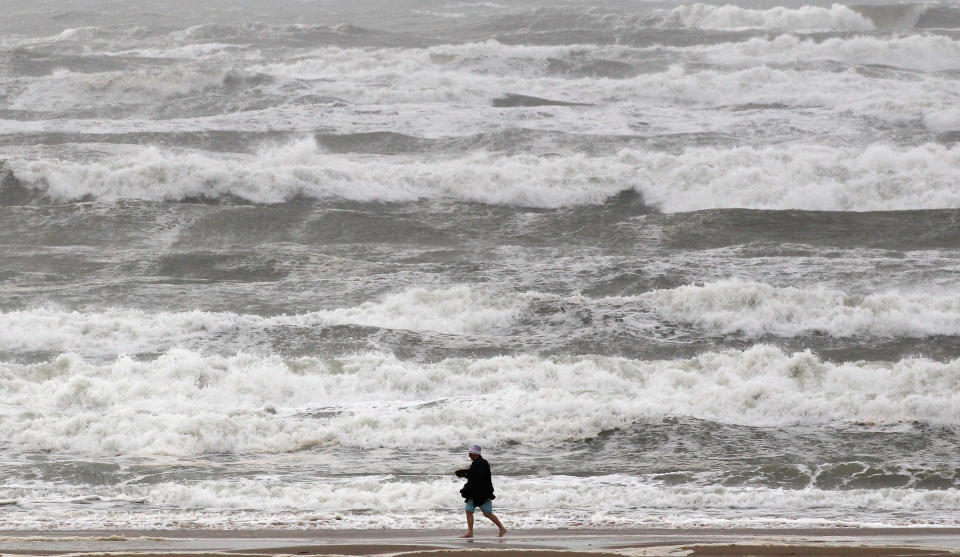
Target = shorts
(486,507)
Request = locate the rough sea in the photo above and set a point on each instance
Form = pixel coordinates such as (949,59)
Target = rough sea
(276,264)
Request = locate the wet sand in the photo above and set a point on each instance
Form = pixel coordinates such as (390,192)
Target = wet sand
(852,542)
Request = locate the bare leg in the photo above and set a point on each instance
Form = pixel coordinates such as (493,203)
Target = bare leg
(469,533)
(493,518)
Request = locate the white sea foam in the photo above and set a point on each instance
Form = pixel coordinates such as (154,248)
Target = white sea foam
(797,176)
(183,403)
(65,89)
(301,169)
(450,84)
(229,53)
(805,18)
(917,52)
(455,75)
(875,178)
(83,34)
(929,53)
(477,71)
(480,5)
(757,309)
(449,310)
(743,307)
(474,73)
(943,120)
(603,500)
(529,502)
(492,58)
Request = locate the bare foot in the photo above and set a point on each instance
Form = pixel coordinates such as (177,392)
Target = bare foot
(470,535)
(502,532)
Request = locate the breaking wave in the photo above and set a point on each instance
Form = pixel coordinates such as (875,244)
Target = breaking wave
(747,308)
(64,89)
(806,18)
(756,309)
(450,310)
(434,83)
(493,58)
(545,501)
(928,53)
(183,403)
(810,177)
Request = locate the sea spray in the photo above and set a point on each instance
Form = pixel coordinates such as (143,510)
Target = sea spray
(809,177)
(183,403)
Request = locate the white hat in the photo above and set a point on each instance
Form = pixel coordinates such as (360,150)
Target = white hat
(475,449)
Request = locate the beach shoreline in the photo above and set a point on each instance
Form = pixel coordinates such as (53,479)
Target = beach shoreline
(525,542)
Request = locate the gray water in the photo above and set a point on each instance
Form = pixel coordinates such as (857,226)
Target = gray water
(275,264)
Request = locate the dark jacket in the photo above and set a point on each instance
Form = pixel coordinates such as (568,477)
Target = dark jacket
(479,486)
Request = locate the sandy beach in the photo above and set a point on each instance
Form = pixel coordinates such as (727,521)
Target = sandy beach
(525,543)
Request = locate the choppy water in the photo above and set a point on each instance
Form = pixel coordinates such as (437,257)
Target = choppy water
(274,264)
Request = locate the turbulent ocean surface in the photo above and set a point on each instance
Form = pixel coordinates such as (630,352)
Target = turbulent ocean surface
(277,263)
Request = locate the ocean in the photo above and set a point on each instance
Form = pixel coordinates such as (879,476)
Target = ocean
(277,264)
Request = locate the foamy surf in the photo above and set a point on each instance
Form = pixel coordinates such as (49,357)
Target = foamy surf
(673,264)
(926,53)
(756,309)
(465,76)
(805,18)
(810,177)
(738,307)
(453,310)
(552,501)
(263,404)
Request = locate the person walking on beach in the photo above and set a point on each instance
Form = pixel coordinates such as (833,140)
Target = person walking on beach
(478,492)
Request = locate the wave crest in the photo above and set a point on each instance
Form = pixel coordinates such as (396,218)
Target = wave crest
(805,18)
(756,309)
(450,310)
(183,403)
(875,178)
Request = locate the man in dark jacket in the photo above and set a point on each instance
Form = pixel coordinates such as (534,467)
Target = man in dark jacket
(478,492)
